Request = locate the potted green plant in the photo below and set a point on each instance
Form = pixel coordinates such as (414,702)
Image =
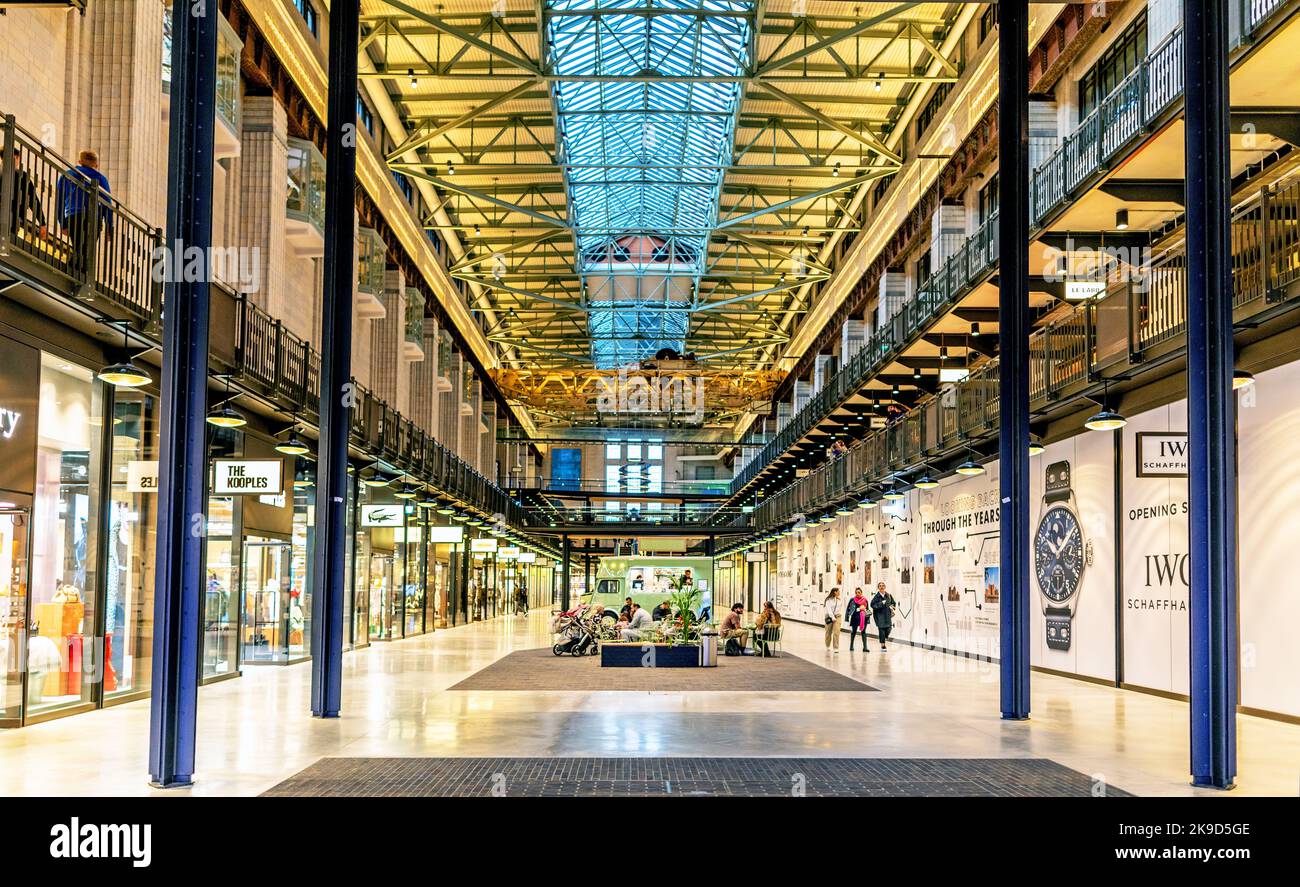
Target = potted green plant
(684,598)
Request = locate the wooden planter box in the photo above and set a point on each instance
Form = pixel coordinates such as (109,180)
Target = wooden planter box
(633,654)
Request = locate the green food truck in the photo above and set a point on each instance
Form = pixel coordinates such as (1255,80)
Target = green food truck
(646,579)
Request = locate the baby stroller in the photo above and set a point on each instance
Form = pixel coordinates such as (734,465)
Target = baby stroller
(579,638)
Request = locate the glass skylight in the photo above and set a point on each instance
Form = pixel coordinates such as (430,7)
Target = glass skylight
(646,101)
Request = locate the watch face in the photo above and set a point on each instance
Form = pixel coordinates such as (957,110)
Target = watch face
(1058,553)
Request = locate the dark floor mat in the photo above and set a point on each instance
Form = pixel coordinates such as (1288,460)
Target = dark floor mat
(640,777)
(542,670)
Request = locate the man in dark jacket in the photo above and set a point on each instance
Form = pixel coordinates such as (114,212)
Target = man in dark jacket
(29,213)
(882,609)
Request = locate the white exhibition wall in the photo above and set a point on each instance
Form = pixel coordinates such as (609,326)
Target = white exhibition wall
(937,552)
(1268,527)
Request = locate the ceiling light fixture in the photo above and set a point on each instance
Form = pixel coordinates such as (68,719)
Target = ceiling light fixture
(125,374)
(1242,379)
(1121,220)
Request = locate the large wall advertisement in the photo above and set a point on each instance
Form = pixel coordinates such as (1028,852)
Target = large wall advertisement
(1155,550)
(1268,527)
(937,552)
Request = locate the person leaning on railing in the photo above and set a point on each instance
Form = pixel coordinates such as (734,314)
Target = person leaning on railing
(73,196)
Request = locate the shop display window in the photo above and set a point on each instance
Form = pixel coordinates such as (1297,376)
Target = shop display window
(267,598)
(300,564)
(384,566)
(64,590)
(361,588)
(131,538)
(413,585)
(349,569)
(15,528)
(221,596)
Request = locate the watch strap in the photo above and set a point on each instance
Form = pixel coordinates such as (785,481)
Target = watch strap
(1059,620)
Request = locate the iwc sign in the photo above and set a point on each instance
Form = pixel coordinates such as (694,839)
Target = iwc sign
(1162,454)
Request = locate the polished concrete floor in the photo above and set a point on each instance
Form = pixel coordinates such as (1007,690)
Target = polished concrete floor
(255,731)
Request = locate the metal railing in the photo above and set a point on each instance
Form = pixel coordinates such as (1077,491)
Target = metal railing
(71,232)
(61,230)
(1124,116)
(1066,356)
(970,264)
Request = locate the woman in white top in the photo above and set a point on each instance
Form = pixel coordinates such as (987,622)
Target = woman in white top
(833,617)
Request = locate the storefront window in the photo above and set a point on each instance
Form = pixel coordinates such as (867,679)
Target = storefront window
(361,580)
(413,587)
(15,525)
(267,609)
(132,534)
(349,567)
(381,523)
(65,519)
(221,599)
(300,567)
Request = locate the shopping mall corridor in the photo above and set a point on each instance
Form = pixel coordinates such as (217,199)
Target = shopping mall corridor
(255,731)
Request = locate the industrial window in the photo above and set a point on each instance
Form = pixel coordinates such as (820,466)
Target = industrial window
(988,21)
(927,114)
(365,115)
(405,184)
(988,199)
(308,12)
(1119,60)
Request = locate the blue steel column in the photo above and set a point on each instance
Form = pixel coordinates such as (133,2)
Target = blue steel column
(1013,347)
(1211,419)
(336,363)
(183,432)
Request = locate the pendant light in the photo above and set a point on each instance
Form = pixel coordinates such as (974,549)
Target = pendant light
(1106,419)
(970,468)
(428,502)
(125,374)
(893,494)
(866,502)
(378,479)
(227,416)
(1035,445)
(406,491)
(446,508)
(293,446)
(844,510)
(1242,379)
(926,482)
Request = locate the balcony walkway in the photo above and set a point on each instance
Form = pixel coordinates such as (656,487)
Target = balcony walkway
(256,732)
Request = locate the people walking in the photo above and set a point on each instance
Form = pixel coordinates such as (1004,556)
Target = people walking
(858,615)
(76,210)
(833,620)
(882,606)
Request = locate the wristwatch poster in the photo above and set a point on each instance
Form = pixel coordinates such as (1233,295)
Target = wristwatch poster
(1060,555)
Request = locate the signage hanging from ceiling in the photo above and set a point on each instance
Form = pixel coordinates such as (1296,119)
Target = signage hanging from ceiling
(386,515)
(452,535)
(482,546)
(244,477)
